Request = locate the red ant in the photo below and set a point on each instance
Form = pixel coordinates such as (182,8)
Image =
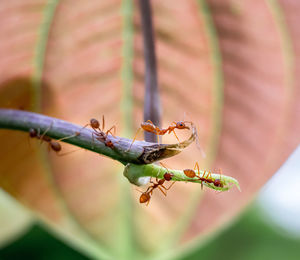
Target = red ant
(148,126)
(54,145)
(218,182)
(99,133)
(146,196)
(168,175)
(192,174)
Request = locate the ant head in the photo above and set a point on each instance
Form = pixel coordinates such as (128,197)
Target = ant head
(218,183)
(144,197)
(168,176)
(181,125)
(109,143)
(94,123)
(32,132)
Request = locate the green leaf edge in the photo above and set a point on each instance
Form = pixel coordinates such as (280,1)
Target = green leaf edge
(288,53)
(87,244)
(218,102)
(125,245)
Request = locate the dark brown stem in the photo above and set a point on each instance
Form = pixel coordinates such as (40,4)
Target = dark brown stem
(152,109)
(139,152)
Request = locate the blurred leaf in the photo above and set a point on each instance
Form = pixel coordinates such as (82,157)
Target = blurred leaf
(38,244)
(252,237)
(229,66)
(14,220)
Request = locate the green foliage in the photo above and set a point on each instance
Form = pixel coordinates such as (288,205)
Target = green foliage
(38,244)
(251,237)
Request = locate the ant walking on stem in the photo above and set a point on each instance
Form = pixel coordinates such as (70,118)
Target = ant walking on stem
(99,132)
(53,145)
(207,179)
(146,196)
(148,126)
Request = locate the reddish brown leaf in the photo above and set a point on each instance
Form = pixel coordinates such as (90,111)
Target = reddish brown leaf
(245,106)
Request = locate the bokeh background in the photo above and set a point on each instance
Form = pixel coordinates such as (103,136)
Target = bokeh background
(230,66)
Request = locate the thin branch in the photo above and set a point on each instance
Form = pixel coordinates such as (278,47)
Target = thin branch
(140,152)
(152,108)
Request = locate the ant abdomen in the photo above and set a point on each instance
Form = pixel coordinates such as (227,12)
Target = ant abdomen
(189,173)
(55,146)
(145,197)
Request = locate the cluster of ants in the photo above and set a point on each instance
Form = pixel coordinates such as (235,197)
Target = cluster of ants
(56,146)
(159,183)
(206,178)
(147,126)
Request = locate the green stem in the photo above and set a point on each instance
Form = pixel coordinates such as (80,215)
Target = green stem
(140,175)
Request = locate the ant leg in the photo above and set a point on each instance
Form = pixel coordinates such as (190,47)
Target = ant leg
(163,165)
(38,136)
(208,175)
(190,122)
(220,172)
(197,167)
(109,131)
(162,190)
(149,121)
(148,189)
(70,136)
(158,141)
(134,139)
(169,186)
(84,126)
(115,129)
(49,127)
(103,123)
(175,135)
(66,153)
